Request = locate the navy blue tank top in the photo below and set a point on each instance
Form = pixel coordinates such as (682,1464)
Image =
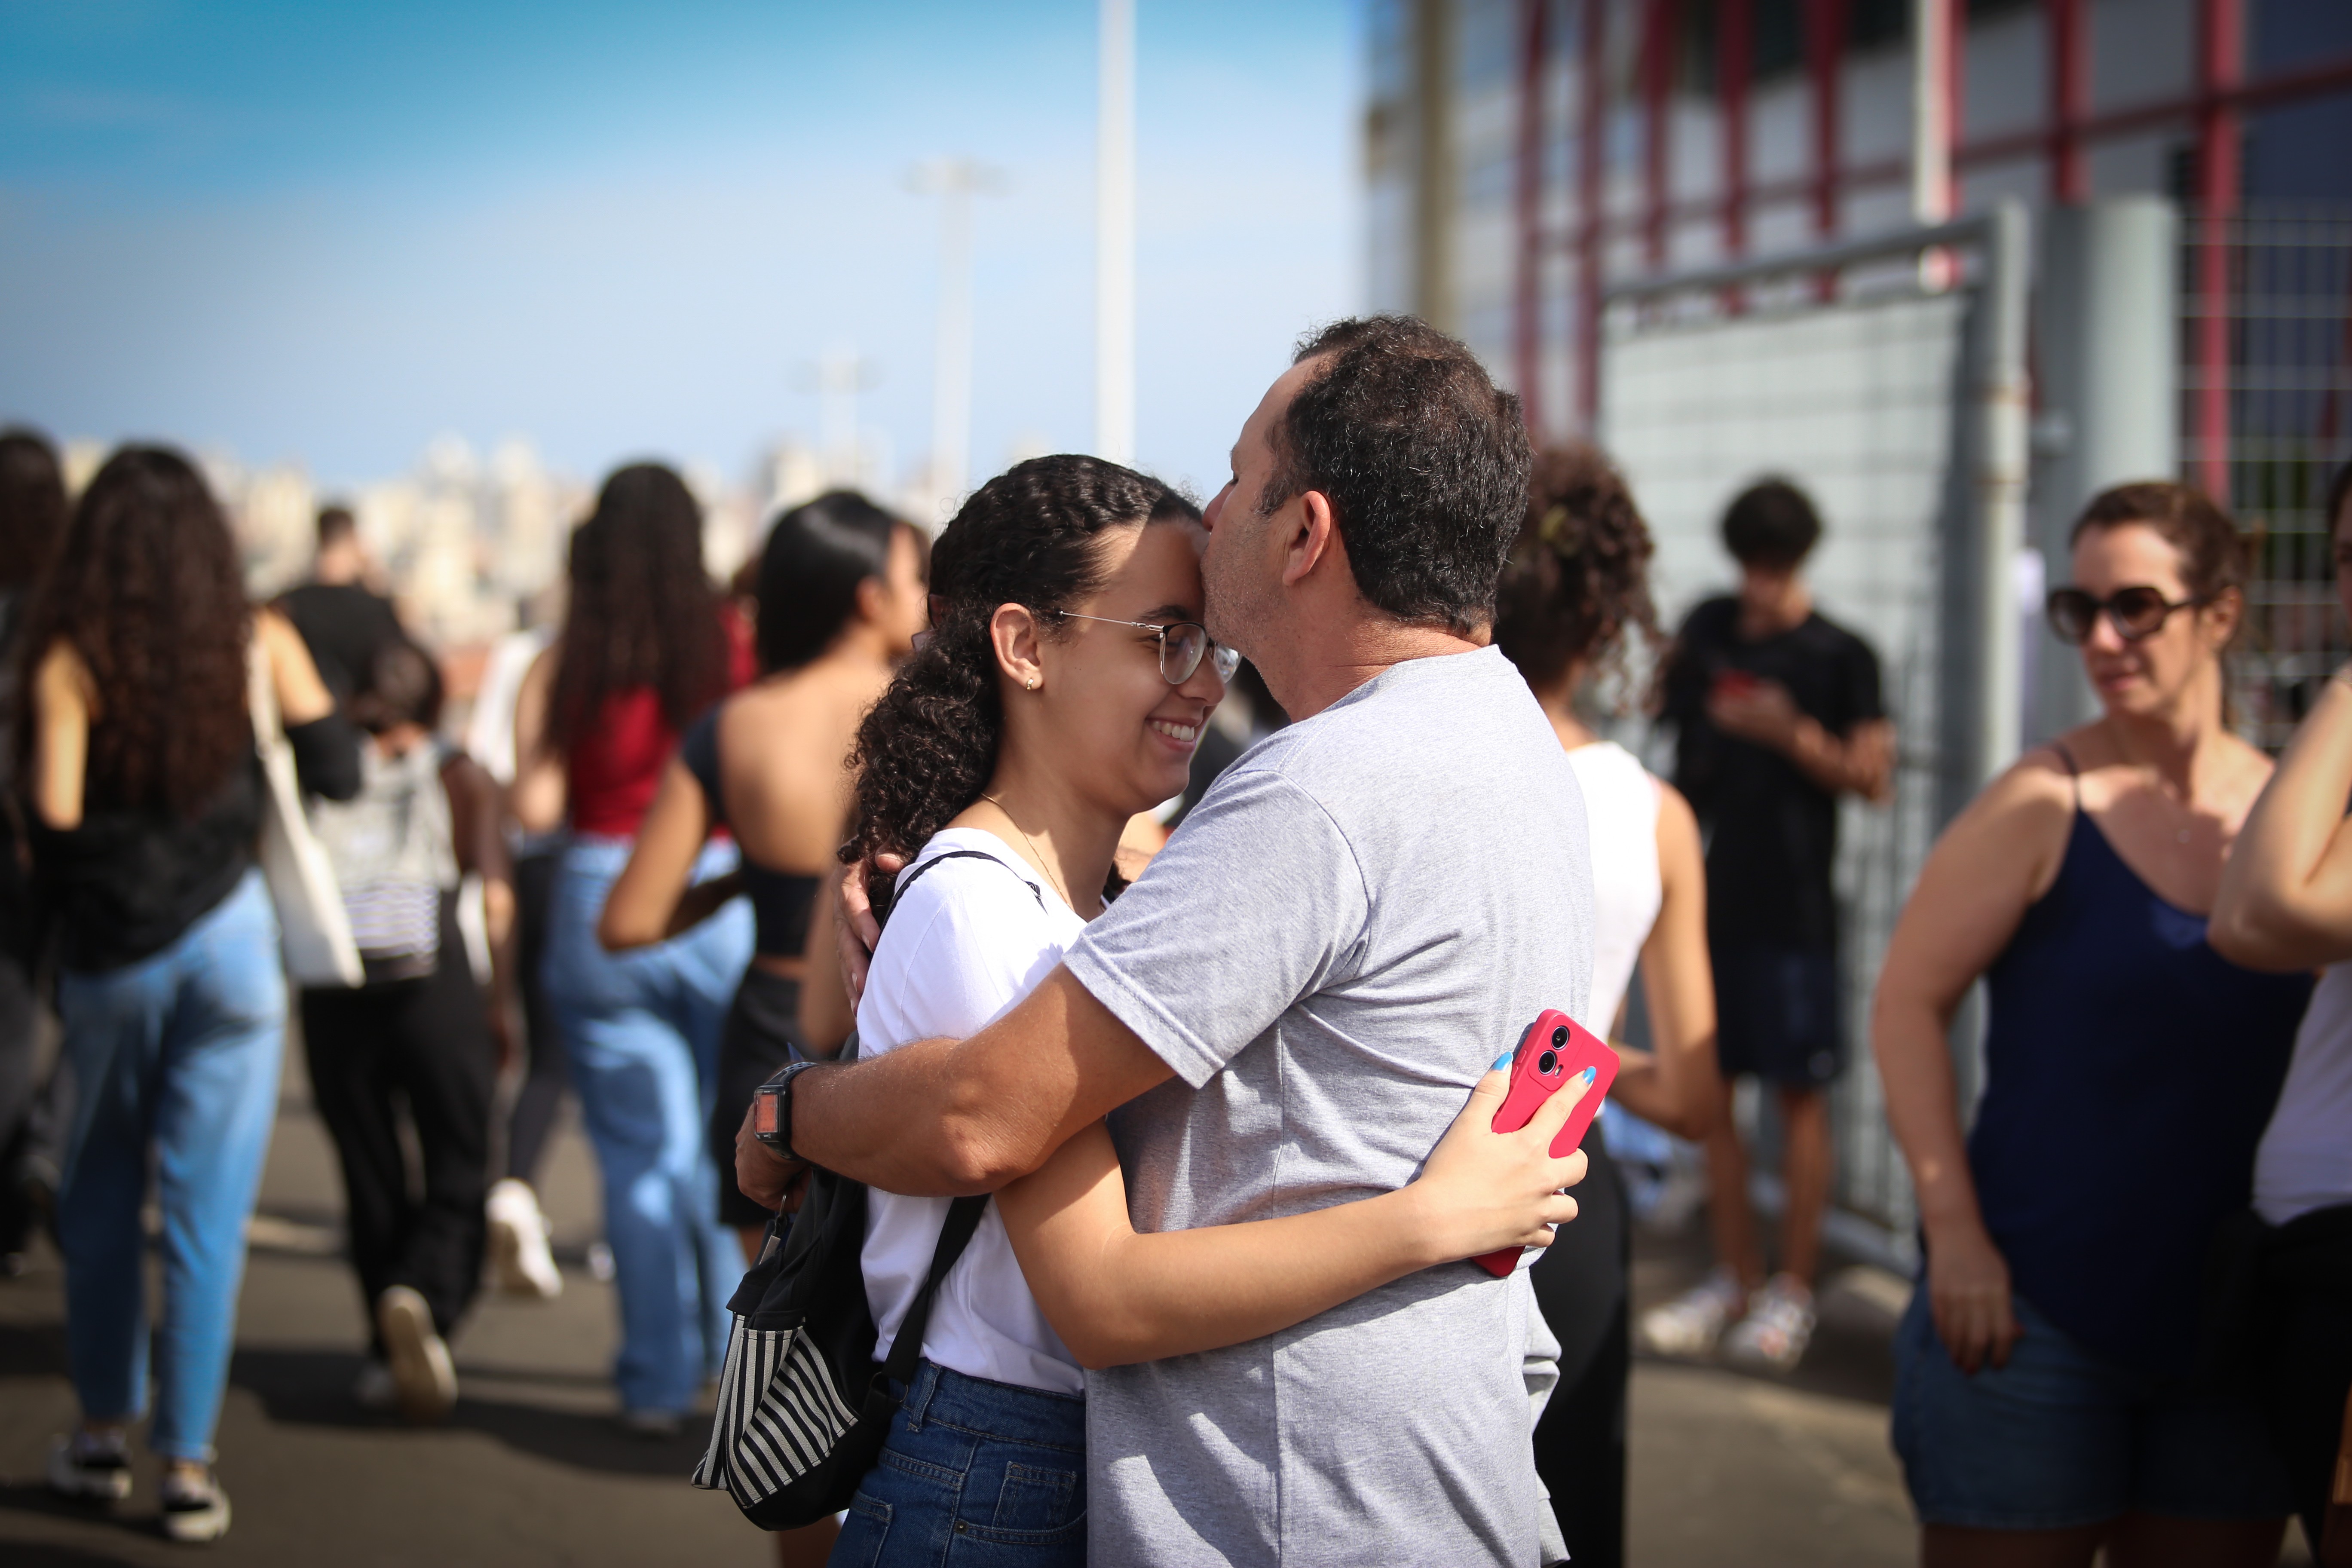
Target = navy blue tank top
(2129,1072)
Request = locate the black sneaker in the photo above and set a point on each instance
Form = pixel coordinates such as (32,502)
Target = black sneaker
(92,1468)
(195,1511)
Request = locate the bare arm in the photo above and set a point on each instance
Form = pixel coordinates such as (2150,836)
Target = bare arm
(1116,1297)
(1860,763)
(2286,889)
(826,1014)
(1997,858)
(303,697)
(991,1108)
(537,796)
(63,702)
(1678,1085)
(647,904)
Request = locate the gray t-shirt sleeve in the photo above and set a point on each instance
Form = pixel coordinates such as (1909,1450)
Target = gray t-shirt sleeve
(1257,901)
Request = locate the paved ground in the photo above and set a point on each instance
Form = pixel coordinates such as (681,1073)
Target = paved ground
(1725,1468)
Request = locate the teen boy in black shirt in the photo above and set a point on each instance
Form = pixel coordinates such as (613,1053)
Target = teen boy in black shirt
(1776,712)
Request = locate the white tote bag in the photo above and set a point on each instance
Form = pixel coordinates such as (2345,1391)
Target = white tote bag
(313,926)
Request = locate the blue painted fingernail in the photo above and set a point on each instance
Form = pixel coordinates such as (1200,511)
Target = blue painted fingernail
(1502,1061)
(1588,1074)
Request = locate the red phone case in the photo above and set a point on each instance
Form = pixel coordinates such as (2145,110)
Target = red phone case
(1570,1047)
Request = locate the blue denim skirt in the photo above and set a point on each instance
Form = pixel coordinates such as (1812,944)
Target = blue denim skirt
(973,1473)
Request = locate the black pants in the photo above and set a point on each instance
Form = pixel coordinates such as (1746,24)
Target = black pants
(427,1043)
(545,1073)
(761,1028)
(19,1094)
(2307,1343)
(1581,1284)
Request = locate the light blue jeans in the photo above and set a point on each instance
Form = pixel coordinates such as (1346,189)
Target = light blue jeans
(177,1054)
(642,1030)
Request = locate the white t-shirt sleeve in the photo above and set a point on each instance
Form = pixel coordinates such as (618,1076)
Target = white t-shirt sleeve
(969,941)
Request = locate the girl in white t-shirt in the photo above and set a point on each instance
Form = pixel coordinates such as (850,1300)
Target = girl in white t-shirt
(2286,903)
(1063,689)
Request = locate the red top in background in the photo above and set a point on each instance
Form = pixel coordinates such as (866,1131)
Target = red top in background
(614,768)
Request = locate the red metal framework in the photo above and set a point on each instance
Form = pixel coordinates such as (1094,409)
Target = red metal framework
(2216,109)
(2221,69)
(2070,100)
(1658,33)
(1535,54)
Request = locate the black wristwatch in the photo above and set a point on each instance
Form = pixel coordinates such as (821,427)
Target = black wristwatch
(771,1110)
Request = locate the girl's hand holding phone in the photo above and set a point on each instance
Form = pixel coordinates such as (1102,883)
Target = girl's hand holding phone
(1481,1190)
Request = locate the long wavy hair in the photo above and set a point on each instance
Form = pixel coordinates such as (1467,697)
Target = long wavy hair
(1030,536)
(33,507)
(1577,580)
(146,589)
(642,612)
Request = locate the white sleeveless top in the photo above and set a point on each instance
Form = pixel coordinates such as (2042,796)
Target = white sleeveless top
(2304,1160)
(1620,812)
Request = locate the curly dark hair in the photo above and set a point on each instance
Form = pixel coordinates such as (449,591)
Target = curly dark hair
(1030,536)
(1578,577)
(1423,459)
(643,611)
(33,507)
(147,591)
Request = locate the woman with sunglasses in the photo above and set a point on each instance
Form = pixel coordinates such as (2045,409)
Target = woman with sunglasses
(1064,688)
(2043,1408)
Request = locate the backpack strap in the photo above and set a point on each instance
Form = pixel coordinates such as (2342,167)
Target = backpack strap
(955,1235)
(908,878)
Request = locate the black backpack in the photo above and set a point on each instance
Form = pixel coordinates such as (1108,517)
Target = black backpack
(803,1408)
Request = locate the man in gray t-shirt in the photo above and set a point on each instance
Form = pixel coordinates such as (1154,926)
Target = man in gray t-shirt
(1290,1007)
(1395,887)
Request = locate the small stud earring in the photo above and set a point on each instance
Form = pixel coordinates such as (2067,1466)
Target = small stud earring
(1032,683)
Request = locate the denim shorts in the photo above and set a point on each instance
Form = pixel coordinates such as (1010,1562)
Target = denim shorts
(974,1474)
(2059,1438)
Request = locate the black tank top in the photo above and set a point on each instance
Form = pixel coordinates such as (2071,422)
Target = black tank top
(781,900)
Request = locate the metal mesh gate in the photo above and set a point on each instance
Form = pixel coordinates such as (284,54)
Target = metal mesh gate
(2289,413)
(1882,400)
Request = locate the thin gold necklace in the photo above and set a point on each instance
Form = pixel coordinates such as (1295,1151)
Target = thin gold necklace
(1044,864)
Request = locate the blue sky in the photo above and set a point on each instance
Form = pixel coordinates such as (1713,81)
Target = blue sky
(331,232)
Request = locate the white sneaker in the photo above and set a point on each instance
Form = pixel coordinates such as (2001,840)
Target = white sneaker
(424,1379)
(658,1425)
(195,1511)
(520,1259)
(1691,1323)
(95,1468)
(1779,1325)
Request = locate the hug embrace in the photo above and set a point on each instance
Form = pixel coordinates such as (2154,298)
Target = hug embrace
(1234,1118)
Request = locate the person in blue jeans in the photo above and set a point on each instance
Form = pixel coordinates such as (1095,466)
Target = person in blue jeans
(647,644)
(145,801)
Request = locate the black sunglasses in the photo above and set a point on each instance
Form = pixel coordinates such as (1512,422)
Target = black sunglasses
(2137,613)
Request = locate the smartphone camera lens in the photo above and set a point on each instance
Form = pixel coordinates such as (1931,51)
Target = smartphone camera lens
(1547,1063)
(1558,1038)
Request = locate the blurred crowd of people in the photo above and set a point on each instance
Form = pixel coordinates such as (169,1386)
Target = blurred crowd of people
(1035,746)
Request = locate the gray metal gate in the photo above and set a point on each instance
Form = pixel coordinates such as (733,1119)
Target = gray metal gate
(1902,409)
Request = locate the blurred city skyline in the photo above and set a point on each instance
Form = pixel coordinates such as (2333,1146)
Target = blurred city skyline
(324,243)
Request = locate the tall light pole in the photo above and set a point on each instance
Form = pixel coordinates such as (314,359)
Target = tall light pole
(1114,235)
(953,180)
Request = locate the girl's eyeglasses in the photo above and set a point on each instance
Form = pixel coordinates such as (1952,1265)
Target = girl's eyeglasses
(1182,645)
(2137,613)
